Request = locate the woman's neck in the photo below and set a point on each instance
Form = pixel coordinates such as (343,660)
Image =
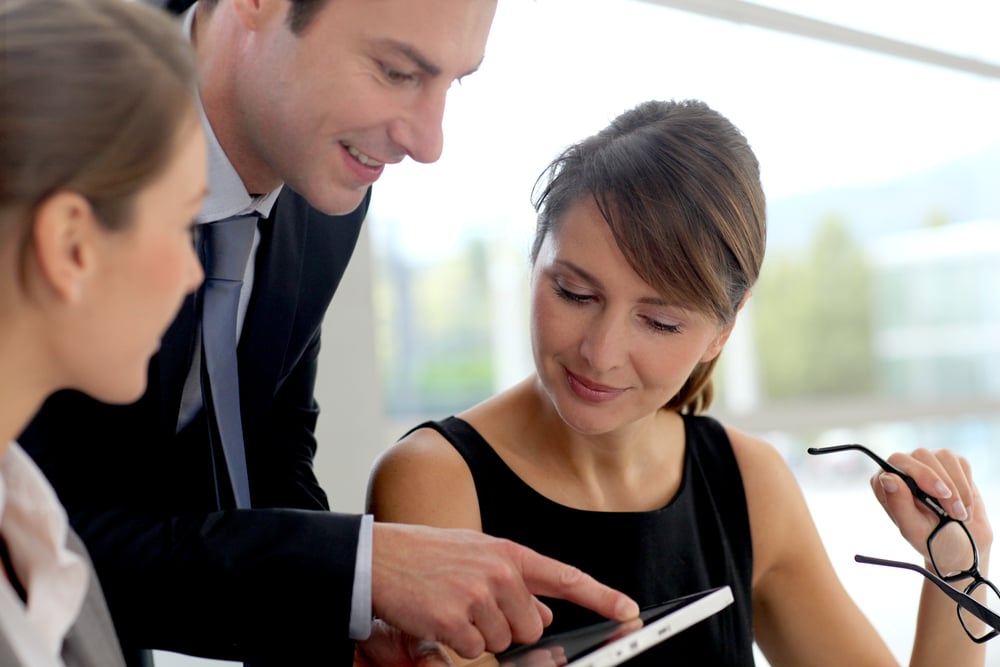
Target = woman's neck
(24,384)
(637,467)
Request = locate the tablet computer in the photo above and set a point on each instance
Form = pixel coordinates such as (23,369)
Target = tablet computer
(610,643)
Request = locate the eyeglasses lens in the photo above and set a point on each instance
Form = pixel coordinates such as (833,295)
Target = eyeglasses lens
(987,594)
(952,551)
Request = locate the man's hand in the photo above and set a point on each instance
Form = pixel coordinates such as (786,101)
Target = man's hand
(474,592)
(389,647)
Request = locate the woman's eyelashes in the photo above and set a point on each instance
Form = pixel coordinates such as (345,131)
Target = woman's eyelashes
(662,327)
(571,296)
(654,323)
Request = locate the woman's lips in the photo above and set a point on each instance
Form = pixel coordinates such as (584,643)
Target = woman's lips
(591,391)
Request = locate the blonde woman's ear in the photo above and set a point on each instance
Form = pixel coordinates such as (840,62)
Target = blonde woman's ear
(62,243)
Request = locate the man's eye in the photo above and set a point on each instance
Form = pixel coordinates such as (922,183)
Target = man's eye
(396,76)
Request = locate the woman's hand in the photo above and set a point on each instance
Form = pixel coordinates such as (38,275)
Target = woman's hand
(948,478)
(390,647)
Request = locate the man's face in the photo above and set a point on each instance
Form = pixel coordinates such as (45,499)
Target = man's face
(362,86)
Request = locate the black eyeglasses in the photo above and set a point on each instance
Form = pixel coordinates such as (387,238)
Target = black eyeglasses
(953,554)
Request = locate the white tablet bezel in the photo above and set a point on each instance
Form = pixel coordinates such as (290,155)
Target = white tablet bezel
(603,649)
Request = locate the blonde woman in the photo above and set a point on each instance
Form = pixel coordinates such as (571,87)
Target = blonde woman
(103,167)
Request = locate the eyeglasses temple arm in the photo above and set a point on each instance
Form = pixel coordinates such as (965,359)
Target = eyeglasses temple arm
(911,483)
(967,602)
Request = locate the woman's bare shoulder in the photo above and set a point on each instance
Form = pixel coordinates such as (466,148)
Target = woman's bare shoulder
(423,479)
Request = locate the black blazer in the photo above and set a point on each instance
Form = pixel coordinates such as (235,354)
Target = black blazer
(180,570)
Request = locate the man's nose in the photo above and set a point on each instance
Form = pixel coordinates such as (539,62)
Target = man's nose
(421,133)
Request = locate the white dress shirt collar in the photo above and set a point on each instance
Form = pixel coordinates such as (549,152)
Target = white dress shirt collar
(35,528)
(227,195)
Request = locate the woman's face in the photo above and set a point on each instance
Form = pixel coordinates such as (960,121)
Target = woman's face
(609,349)
(142,274)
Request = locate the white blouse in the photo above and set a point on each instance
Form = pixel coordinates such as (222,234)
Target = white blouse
(34,527)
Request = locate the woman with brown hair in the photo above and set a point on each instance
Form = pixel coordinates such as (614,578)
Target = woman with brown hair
(103,168)
(649,240)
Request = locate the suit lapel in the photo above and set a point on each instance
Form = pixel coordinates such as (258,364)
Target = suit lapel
(271,311)
(92,639)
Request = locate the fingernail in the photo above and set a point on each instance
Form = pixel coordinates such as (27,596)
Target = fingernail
(627,608)
(888,483)
(958,511)
(942,490)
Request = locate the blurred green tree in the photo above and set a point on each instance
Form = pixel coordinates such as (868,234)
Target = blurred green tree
(813,318)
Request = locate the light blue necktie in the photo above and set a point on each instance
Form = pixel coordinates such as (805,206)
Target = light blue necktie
(226,248)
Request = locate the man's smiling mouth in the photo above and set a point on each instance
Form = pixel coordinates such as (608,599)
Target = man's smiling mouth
(362,158)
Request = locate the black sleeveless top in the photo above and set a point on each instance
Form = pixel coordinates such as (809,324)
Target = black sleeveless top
(699,540)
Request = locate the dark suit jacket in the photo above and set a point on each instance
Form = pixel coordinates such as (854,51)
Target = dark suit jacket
(180,570)
(91,640)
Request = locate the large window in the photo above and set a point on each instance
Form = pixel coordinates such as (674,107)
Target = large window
(877,317)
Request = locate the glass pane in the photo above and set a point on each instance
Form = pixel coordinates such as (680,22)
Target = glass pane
(987,594)
(952,551)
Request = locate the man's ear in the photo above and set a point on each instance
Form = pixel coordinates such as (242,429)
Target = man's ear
(252,14)
(61,242)
(716,347)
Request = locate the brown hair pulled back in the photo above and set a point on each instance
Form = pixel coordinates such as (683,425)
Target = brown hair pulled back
(680,189)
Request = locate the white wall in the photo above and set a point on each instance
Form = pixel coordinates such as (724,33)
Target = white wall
(350,430)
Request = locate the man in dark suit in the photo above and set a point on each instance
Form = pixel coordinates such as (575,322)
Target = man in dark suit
(305,102)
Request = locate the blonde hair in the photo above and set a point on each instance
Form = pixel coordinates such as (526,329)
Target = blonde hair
(93,94)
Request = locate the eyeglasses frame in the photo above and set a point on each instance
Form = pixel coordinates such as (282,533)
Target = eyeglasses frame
(963,599)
